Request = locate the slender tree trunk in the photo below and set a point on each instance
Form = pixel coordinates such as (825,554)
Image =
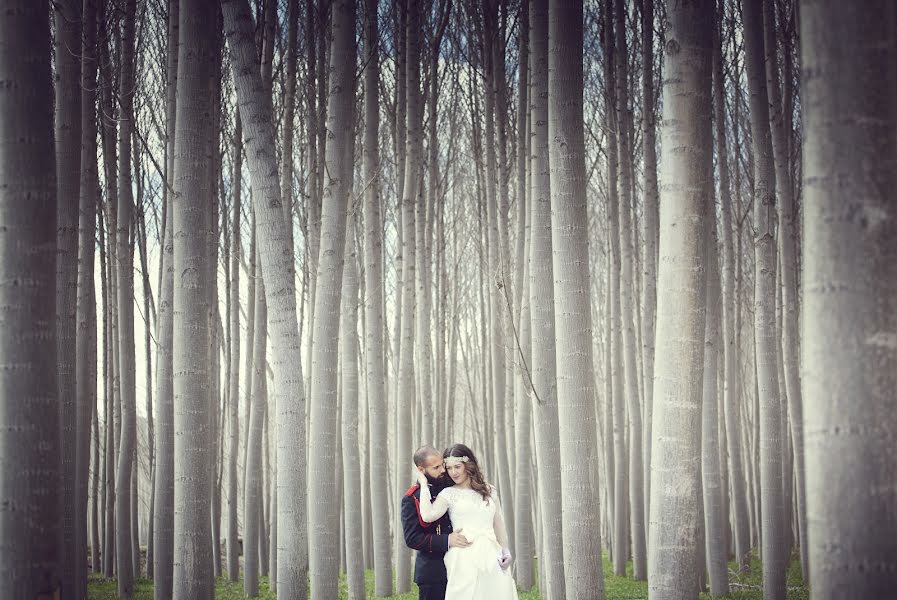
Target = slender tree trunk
(352,491)
(375,344)
(714,532)
(685,184)
(770,414)
(650,233)
(629,305)
(29,419)
(108,374)
(406,388)
(617,398)
(277,264)
(67,38)
(252,522)
(163,485)
(849,274)
(787,247)
(191,363)
(125,262)
(524,540)
(233,565)
(575,379)
(323,555)
(541,297)
(731,401)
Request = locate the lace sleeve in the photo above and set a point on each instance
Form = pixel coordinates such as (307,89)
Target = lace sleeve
(432,510)
(498,521)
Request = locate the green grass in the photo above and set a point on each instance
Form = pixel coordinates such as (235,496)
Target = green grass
(746,586)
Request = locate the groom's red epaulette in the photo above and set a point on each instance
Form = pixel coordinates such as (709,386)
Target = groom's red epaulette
(412,489)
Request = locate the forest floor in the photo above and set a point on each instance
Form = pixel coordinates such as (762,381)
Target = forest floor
(744,586)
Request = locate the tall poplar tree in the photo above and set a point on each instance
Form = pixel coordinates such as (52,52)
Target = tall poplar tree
(569,238)
(849,274)
(686,161)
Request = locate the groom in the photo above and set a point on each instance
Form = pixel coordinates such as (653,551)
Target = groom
(431,540)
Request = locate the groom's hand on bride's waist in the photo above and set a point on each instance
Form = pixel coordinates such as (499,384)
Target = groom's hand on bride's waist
(457,540)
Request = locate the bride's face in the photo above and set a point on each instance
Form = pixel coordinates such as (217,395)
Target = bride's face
(458,473)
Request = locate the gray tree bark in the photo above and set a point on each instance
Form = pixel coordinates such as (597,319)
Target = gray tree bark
(575,378)
(650,233)
(849,275)
(788,267)
(67,38)
(375,346)
(29,419)
(349,415)
(126,568)
(541,300)
(252,501)
(406,388)
(629,306)
(323,511)
(716,550)
(85,345)
(277,264)
(190,360)
(163,485)
(731,394)
(233,564)
(684,186)
(772,509)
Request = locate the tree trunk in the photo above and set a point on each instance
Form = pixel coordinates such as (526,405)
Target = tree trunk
(323,554)
(163,486)
(191,363)
(29,425)
(541,299)
(770,414)
(352,491)
(849,274)
(252,503)
(67,38)
(650,233)
(374,315)
(406,389)
(716,550)
(629,305)
(277,264)
(125,262)
(787,246)
(731,396)
(685,184)
(575,379)
(233,564)
(524,540)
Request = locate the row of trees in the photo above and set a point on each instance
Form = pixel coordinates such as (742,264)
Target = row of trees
(676,362)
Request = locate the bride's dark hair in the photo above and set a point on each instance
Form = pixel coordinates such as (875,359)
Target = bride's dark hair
(477,479)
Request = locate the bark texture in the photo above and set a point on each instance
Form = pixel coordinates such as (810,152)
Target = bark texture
(686,159)
(849,273)
(575,379)
(29,417)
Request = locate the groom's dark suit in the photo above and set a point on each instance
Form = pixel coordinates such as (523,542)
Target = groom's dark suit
(431,540)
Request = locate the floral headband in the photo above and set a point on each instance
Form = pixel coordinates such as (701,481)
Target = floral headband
(454,460)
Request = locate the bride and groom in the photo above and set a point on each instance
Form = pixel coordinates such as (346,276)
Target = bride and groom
(453,518)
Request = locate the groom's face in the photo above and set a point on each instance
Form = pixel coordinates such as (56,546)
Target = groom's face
(434,468)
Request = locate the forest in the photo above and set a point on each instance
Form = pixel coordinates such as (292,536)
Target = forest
(639,255)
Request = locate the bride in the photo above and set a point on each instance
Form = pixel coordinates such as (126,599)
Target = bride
(481,570)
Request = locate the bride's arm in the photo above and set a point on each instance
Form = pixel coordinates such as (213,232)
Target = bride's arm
(431,510)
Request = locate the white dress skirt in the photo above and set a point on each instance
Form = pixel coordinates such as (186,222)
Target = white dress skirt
(474,572)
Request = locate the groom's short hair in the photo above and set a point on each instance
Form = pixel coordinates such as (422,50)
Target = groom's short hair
(423,453)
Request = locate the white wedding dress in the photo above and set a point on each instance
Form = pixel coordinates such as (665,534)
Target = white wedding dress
(473,572)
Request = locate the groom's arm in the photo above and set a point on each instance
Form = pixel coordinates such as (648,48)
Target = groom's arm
(418,534)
